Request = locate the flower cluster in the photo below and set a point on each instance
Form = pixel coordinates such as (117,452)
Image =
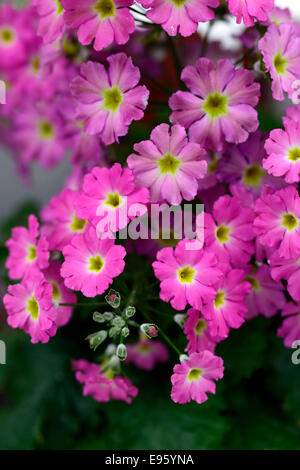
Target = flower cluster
(145,126)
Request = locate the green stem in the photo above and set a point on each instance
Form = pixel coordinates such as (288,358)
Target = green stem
(175,56)
(163,334)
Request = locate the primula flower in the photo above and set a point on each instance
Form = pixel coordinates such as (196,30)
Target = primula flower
(198,333)
(29,307)
(187,276)
(220,106)
(290,328)
(283,149)
(250,10)
(228,308)
(51,24)
(91,264)
(145,354)
(192,379)
(60,221)
(106,21)
(280,48)
(168,165)
(107,196)
(277,223)
(109,100)
(266,296)
(229,231)
(60,293)
(180,16)
(289,270)
(27,250)
(103,386)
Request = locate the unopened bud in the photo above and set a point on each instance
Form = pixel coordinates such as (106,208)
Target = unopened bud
(95,339)
(122,352)
(114,331)
(129,312)
(183,357)
(180,319)
(102,317)
(125,331)
(113,298)
(149,329)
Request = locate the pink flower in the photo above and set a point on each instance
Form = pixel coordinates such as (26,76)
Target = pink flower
(91,264)
(228,308)
(180,16)
(283,149)
(29,307)
(192,379)
(229,232)
(250,9)
(60,293)
(290,329)
(109,100)
(168,165)
(288,269)
(27,250)
(107,196)
(266,296)
(188,276)
(277,221)
(220,106)
(145,354)
(280,48)
(198,333)
(106,21)
(51,25)
(60,221)
(103,386)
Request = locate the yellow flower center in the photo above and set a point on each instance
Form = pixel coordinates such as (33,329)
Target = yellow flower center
(105,8)
(254,282)
(31,253)
(33,308)
(78,225)
(169,164)
(59,7)
(113,200)
(7,35)
(253,175)
(96,264)
(46,130)
(294,154)
(112,98)
(280,64)
(222,233)
(215,105)
(289,221)
(219,300)
(186,275)
(55,291)
(194,374)
(201,325)
(178,3)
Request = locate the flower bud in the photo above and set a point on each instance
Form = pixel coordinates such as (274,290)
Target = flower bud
(118,322)
(113,298)
(122,352)
(129,312)
(183,357)
(125,331)
(114,331)
(95,339)
(180,319)
(149,329)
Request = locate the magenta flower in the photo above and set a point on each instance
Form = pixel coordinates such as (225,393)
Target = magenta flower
(187,276)
(109,100)
(91,264)
(280,48)
(60,221)
(228,308)
(60,293)
(180,16)
(277,223)
(290,328)
(288,269)
(29,307)
(220,106)
(27,250)
(229,231)
(168,165)
(192,379)
(250,10)
(145,354)
(266,296)
(283,149)
(51,24)
(103,386)
(106,21)
(107,196)
(198,333)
